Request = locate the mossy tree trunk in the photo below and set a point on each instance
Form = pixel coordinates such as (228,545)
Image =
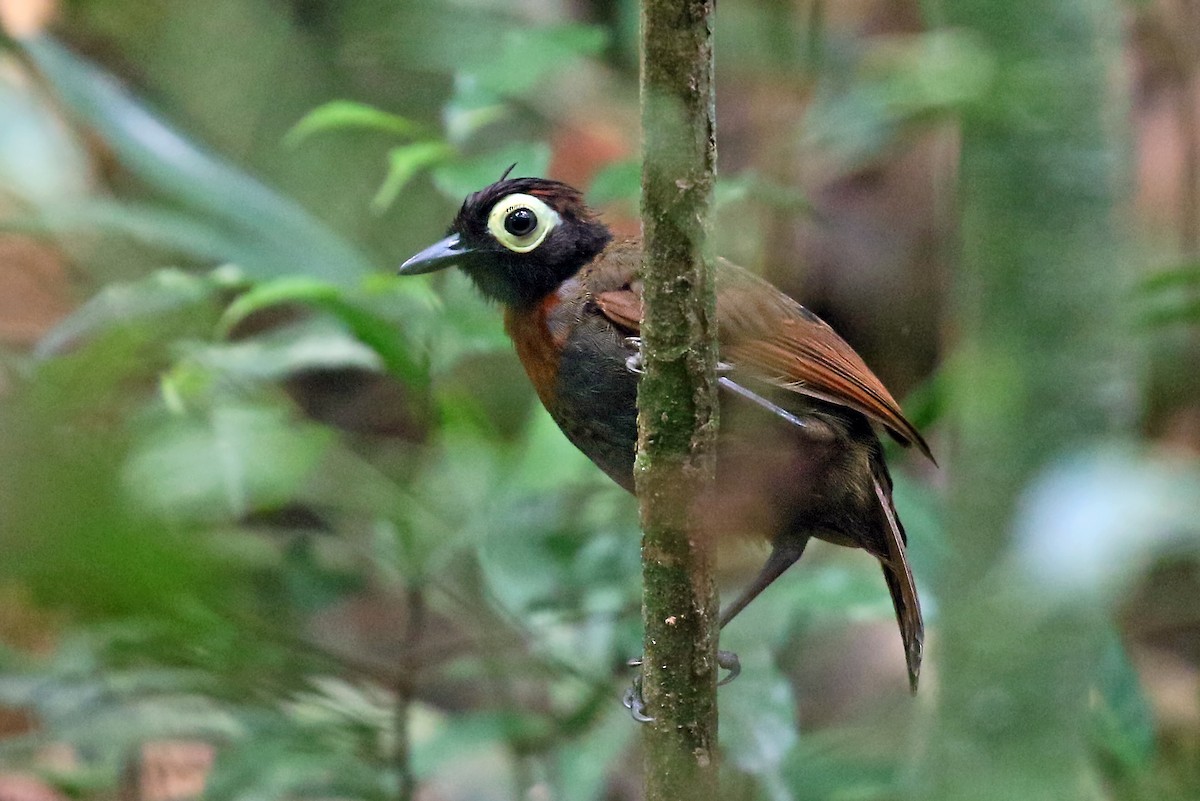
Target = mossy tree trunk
(1040,374)
(677,399)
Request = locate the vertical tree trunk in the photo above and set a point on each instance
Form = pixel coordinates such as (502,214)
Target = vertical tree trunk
(1041,373)
(677,399)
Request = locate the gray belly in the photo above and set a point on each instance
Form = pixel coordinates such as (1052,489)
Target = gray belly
(596,398)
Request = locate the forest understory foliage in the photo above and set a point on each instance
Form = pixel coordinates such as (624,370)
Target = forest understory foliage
(274,524)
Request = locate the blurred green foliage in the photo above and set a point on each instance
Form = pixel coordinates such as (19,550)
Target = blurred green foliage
(282,503)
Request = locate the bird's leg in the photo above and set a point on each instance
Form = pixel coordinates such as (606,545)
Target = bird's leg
(759,400)
(784,553)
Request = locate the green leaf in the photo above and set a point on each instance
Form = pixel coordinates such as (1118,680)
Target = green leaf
(317,344)
(529,55)
(461,177)
(232,461)
(347,114)
(117,305)
(277,235)
(1122,720)
(1185,276)
(758,715)
(620,181)
(384,336)
(470,108)
(403,165)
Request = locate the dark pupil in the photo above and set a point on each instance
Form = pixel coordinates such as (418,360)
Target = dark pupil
(520,222)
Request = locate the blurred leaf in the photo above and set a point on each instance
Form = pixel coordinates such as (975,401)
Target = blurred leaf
(471,108)
(620,181)
(1170,297)
(285,757)
(235,460)
(153,226)
(584,765)
(385,336)
(864,103)
(1180,308)
(41,163)
(403,165)
(461,177)
(317,344)
(528,55)
(1186,276)
(1121,715)
(465,734)
(1095,520)
(120,304)
(346,114)
(286,238)
(758,716)
(835,765)
(749,185)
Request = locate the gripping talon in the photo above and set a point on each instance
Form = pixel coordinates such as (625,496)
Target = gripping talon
(728,660)
(634,362)
(634,702)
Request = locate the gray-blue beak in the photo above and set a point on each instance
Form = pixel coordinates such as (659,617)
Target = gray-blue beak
(437,256)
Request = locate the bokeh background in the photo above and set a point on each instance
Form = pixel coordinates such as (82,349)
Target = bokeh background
(274,524)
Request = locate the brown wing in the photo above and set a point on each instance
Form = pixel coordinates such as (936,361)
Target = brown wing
(767,334)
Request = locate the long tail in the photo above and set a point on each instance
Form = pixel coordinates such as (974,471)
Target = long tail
(901,585)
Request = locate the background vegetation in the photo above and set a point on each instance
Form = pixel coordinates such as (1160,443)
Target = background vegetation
(274,524)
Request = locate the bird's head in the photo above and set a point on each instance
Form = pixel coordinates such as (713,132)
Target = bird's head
(517,239)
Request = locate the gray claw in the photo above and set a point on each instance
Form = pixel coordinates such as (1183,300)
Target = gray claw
(634,363)
(728,660)
(634,702)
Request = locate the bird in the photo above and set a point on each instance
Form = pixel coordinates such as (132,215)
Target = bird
(799,453)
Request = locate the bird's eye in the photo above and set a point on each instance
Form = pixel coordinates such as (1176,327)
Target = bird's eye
(521,222)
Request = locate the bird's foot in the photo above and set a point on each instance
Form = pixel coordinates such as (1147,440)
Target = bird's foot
(636,704)
(634,362)
(633,699)
(728,660)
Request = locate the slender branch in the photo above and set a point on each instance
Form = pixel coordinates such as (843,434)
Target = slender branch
(677,399)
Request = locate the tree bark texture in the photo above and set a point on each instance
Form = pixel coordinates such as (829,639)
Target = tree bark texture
(677,399)
(1041,372)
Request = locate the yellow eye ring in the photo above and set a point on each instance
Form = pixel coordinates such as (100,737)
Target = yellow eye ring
(521,222)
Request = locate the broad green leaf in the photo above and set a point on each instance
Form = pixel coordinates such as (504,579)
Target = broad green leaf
(384,336)
(318,344)
(285,237)
(224,465)
(346,114)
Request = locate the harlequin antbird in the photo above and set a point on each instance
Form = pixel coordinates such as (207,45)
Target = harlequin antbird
(799,456)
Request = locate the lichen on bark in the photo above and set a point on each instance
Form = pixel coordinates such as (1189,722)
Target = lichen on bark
(677,399)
